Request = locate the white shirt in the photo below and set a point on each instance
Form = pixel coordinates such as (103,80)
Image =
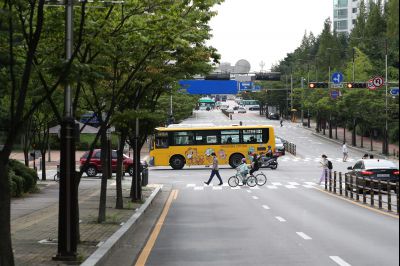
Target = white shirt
(344,148)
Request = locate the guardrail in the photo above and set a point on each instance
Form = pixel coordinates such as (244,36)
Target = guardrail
(357,189)
(290,147)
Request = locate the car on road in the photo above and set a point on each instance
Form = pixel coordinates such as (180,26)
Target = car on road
(374,169)
(94,166)
(279,147)
(254,108)
(242,110)
(236,107)
(230,111)
(224,106)
(273,116)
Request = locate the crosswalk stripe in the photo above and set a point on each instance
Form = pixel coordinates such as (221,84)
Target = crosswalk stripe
(294,183)
(290,186)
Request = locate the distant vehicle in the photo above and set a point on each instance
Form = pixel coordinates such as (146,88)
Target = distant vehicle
(230,111)
(241,110)
(250,103)
(273,116)
(224,106)
(95,167)
(254,108)
(205,103)
(279,147)
(236,107)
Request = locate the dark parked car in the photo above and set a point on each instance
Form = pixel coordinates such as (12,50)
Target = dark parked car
(94,166)
(376,169)
(254,108)
(273,116)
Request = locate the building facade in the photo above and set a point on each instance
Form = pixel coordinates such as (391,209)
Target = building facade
(345,14)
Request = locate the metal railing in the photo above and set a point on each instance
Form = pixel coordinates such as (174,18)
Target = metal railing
(376,193)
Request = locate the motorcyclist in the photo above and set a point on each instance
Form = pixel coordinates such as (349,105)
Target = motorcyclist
(254,163)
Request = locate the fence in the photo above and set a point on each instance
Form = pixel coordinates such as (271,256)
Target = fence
(357,188)
(289,147)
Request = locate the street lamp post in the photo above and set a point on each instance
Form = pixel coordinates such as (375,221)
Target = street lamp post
(386,140)
(68,202)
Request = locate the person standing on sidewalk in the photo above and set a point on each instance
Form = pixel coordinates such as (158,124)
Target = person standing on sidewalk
(345,152)
(214,171)
(281,121)
(324,165)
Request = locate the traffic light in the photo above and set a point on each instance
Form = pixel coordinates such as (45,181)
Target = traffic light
(314,85)
(218,76)
(356,85)
(270,76)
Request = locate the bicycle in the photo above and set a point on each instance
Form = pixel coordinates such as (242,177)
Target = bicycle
(249,180)
(261,178)
(56,177)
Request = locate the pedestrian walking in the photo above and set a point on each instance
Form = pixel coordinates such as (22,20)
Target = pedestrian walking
(281,121)
(214,170)
(325,169)
(345,152)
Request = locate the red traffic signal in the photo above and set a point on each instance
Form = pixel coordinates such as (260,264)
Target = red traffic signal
(356,85)
(313,85)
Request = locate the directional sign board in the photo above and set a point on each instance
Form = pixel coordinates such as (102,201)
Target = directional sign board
(378,82)
(244,86)
(394,91)
(337,77)
(335,94)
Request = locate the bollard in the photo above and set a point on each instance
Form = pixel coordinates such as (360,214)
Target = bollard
(380,195)
(357,188)
(389,199)
(372,193)
(295,149)
(346,185)
(364,192)
(340,184)
(351,186)
(334,182)
(330,180)
(326,179)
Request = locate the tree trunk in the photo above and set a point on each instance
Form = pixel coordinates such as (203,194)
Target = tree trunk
(344,132)
(371,139)
(43,164)
(362,136)
(336,124)
(103,190)
(6,252)
(119,202)
(354,133)
(330,127)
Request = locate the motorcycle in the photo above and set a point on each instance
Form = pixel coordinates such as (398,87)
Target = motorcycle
(269,162)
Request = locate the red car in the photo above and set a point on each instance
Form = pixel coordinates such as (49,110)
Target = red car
(94,166)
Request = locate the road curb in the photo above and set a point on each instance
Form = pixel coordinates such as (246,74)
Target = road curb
(102,253)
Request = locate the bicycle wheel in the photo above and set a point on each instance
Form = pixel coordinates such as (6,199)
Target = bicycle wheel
(251,181)
(233,181)
(261,179)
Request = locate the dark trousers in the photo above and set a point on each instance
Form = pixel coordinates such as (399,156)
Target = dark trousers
(213,173)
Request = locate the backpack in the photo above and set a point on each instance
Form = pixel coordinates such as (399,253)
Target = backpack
(330,166)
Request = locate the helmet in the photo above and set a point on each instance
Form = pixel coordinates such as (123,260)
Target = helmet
(243,160)
(269,146)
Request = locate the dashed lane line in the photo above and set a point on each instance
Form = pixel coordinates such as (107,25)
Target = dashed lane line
(280,219)
(304,236)
(266,207)
(339,261)
(255,197)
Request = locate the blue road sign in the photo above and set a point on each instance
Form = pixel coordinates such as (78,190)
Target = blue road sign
(394,91)
(245,86)
(337,77)
(209,86)
(335,94)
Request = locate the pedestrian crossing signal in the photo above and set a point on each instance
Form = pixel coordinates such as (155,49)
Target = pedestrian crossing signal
(356,85)
(314,85)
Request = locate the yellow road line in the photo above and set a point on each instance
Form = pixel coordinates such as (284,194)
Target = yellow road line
(144,255)
(359,204)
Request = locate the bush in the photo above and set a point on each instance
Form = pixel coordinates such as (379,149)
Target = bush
(17,184)
(28,176)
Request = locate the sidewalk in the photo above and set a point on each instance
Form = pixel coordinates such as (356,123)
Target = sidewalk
(34,222)
(376,144)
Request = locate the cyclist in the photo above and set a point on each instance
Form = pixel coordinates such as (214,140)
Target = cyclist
(243,170)
(254,163)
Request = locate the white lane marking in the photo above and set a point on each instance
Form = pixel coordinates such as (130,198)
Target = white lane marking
(217,188)
(339,261)
(235,187)
(272,187)
(266,207)
(255,197)
(254,188)
(248,190)
(294,183)
(301,234)
(290,186)
(308,186)
(198,188)
(190,185)
(310,183)
(225,185)
(280,219)
(276,183)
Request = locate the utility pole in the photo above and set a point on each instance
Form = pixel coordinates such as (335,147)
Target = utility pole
(386,137)
(68,198)
(302,92)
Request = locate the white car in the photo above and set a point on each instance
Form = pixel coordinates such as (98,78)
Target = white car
(242,110)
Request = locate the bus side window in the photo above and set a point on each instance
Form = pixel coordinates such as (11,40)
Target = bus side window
(162,142)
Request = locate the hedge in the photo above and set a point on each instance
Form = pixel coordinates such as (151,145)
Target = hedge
(22,178)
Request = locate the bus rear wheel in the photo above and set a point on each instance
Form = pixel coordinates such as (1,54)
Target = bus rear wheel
(235,160)
(177,162)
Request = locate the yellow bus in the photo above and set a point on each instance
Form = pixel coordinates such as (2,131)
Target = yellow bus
(191,145)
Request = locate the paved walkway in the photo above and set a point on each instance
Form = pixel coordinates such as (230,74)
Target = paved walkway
(34,222)
(366,147)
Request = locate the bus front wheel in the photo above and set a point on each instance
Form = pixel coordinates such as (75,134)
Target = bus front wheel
(177,162)
(235,160)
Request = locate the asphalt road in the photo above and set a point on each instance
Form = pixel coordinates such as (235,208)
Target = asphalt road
(289,221)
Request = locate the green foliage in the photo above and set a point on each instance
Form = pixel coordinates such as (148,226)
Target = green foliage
(22,178)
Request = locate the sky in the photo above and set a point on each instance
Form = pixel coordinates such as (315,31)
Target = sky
(265,30)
